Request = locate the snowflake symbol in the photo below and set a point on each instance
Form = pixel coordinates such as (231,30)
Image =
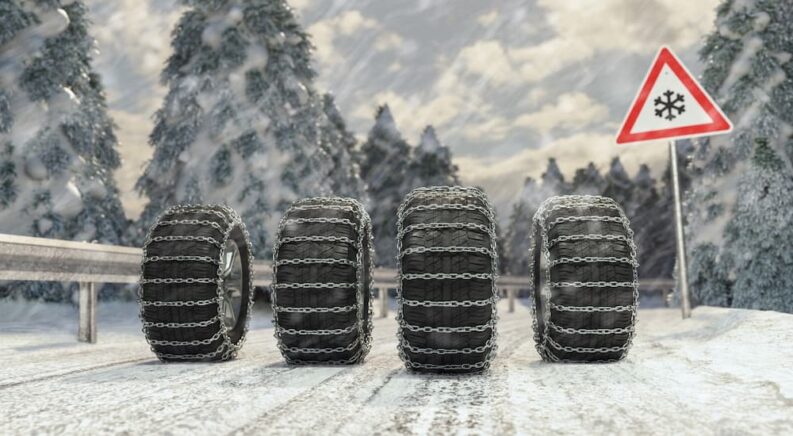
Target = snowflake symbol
(669,105)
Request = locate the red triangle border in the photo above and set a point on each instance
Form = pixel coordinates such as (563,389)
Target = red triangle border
(719,123)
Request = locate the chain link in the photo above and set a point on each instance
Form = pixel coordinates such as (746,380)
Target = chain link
(309,261)
(187,303)
(177,325)
(568,349)
(192,343)
(350,347)
(186,281)
(199,356)
(322,207)
(212,224)
(208,239)
(572,331)
(315,239)
(314,285)
(448,206)
(591,237)
(461,329)
(447,276)
(593,259)
(336,309)
(592,284)
(200,208)
(461,367)
(443,226)
(421,250)
(444,351)
(321,220)
(464,303)
(562,308)
(321,332)
(180,259)
(569,219)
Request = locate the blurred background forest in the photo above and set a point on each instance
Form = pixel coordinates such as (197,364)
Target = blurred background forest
(112,111)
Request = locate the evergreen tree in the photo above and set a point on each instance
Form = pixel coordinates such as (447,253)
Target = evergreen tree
(431,163)
(618,184)
(650,219)
(749,73)
(588,181)
(241,123)
(759,236)
(57,142)
(385,158)
(339,143)
(517,239)
(553,182)
(518,235)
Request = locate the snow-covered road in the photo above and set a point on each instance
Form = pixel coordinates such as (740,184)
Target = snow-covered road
(724,371)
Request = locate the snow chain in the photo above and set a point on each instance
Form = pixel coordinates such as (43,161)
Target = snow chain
(363,324)
(227,349)
(543,341)
(405,209)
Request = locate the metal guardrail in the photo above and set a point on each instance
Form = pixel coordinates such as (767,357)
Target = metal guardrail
(52,260)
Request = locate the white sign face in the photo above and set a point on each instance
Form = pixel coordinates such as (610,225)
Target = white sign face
(671,104)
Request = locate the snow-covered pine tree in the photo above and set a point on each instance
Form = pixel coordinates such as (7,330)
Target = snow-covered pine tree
(339,143)
(517,238)
(655,221)
(650,218)
(553,182)
(430,163)
(618,185)
(750,73)
(241,123)
(759,236)
(518,235)
(588,181)
(57,145)
(384,161)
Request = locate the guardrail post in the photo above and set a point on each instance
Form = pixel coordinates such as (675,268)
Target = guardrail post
(383,302)
(511,299)
(87,330)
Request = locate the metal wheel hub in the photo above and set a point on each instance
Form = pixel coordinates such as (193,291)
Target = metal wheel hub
(231,273)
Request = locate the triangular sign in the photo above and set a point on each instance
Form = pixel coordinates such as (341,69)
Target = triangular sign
(671,104)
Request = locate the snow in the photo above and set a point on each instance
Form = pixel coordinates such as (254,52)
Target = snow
(67,201)
(429,141)
(720,372)
(35,169)
(53,22)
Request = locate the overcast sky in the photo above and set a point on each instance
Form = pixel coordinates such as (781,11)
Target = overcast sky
(506,83)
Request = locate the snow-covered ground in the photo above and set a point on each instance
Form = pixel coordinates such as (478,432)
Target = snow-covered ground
(724,371)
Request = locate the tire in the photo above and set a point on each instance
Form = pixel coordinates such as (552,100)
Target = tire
(447,280)
(323,260)
(585,303)
(196,287)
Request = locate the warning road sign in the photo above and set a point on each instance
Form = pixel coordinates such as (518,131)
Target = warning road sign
(671,104)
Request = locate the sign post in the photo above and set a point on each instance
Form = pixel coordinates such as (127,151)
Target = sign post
(671,104)
(682,264)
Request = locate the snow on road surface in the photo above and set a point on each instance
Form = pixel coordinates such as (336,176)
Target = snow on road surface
(723,371)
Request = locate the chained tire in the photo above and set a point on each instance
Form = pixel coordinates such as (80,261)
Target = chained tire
(323,261)
(585,280)
(447,275)
(196,284)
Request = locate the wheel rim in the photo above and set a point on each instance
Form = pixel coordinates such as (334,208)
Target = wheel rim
(231,273)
